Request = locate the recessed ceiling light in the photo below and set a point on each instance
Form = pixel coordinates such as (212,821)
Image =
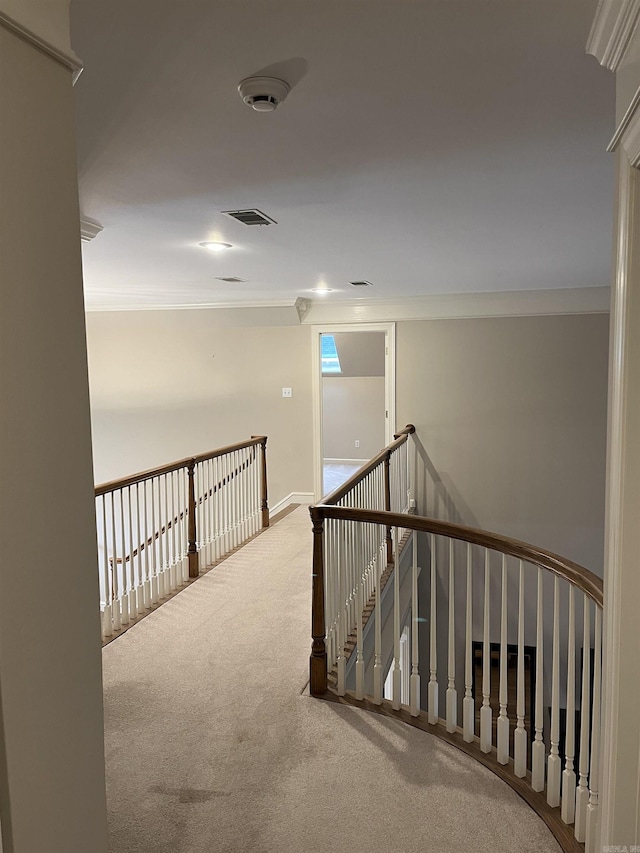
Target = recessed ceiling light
(322,290)
(214,246)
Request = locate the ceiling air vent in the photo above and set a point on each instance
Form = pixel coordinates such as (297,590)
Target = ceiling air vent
(231,279)
(250,217)
(361,283)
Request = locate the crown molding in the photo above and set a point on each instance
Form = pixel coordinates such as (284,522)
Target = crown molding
(89,229)
(613,26)
(627,133)
(66,58)
(295,312)
(579,300)
(231,314)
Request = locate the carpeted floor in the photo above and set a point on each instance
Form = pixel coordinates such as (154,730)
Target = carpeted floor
(212,745)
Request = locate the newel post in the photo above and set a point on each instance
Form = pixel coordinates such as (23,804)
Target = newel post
(318,660)
(194,562)
(387,503)
(264,503)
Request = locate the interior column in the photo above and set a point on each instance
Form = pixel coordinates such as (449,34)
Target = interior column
(52,789)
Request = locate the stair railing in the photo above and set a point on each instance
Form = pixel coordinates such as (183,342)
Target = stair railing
(383,483)
(159,528)
(506,649)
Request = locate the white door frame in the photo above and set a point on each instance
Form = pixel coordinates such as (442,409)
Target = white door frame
(316,383)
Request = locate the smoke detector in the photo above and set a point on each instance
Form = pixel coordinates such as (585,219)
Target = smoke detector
(263,94)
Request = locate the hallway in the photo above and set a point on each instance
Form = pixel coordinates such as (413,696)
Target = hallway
(213,745)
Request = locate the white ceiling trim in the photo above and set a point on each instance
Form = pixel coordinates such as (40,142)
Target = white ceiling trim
(238,315)
(612,29)
(628,131)
(89,229)
(66,58)
(519,303)
(579,300)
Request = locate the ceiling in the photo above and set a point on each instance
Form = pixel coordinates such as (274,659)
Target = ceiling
(427,147)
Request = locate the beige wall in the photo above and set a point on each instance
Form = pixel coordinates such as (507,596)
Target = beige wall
(166,384)
(512,412)
(361,353)
(352,408)
(52,788)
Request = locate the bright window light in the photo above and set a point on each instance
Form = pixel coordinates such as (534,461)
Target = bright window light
(329,353)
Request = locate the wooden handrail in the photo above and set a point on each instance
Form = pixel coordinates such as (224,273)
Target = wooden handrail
(368,467)
(132,479)
(408,430)
(579,576)
(168,526)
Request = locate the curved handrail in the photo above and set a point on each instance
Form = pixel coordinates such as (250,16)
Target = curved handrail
(132,479)
(579,576)
(399,439)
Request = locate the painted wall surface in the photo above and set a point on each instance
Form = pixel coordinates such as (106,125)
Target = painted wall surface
(352,409)
(361,353)
(49,19)
(511,411)
(52,787)
(168,384)
(512,415)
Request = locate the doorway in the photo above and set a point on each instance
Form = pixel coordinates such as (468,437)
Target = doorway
(354,401)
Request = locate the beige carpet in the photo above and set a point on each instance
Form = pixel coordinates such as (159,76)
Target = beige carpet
(212,746)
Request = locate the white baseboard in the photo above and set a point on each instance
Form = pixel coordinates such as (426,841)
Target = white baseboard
(359,462)
(292,498)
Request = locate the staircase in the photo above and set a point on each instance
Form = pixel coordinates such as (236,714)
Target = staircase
(471,602)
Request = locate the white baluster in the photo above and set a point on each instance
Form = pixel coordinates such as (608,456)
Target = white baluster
(468,709)
(175,557)
(414,688)
(117,611)
(140,606)
(222,498)
(355,566)
(162,592)
(205,556)
(107,616)
(133,605)
(568,776)
(503,719)
(397,673)
(593,809)
(234,501)
(582,794)
(341,638)
(147,561)
(377,665)
(244,530)
(121,567)
(182,527)
(155,586)
(329,591)
(486,720)
(452,693)
(538,748)
(228,507)
(554,764)
(167,539)
(359,609)
(432,695)
(219,508)
(256,480)
(520,734)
